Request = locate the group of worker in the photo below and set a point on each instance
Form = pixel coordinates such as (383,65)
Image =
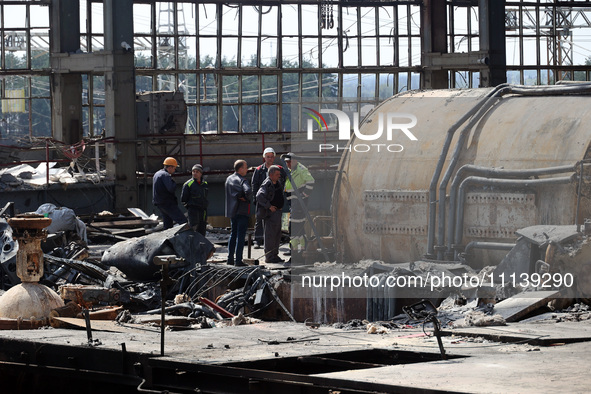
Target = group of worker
(270,190)
(193,196)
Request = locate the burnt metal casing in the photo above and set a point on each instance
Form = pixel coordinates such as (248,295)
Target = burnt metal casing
(381,200)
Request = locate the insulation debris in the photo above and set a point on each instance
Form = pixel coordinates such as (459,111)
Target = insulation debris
(374,328)
(480,319)
(26,176)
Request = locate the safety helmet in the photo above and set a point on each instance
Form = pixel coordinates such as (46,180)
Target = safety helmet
(268,150)
(171,161)
(288,156)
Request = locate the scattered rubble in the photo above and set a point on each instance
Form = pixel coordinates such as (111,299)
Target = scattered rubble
(480,319)
(375,328)
(120,283)
(28,177)
(123,275)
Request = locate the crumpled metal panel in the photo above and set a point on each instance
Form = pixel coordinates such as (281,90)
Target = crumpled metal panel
(135,257)
(8,252)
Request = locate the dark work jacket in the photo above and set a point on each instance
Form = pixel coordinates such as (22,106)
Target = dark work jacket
(163,187)
(260,174)
(237,187)
(270,194)
(194,194)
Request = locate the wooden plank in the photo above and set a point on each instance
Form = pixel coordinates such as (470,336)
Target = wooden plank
(21,324)
(129,233)
(178,321)
(98,325)
(516,307)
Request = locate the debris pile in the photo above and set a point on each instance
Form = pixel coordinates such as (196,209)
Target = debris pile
(122,281)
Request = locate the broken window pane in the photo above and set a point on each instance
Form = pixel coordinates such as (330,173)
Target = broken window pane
(289,20)
(191,118)
(98,90)
(208,119)
(166,52)
(330,52)
(368,85)
(290,48)
(15,16)
(310,22)
(97,25)
(143,83)
(40,49)
(269,88)
(209,90)
(39,16)
(310,52)
(187,18)
(142,19)
(269,52)
(269,118)
(230,118)
(230,20)
(40,121)
(188,85)
(269,14)
(249,119)
(167,82)
(250,89)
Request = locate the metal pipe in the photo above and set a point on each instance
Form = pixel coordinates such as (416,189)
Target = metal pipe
(488,246)
(439,168)
(491,99)
(46,163)
(459,231)
(489,173)
(577,223)
(481,110)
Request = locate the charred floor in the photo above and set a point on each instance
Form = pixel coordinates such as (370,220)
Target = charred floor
(128,325)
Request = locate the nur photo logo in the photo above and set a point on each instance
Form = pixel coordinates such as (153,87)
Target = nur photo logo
(393,124)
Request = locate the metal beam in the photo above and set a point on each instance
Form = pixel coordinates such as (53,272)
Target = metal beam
(492,40)
(66,88)
(434,43)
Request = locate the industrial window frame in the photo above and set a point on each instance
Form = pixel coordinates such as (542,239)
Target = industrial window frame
(386,72)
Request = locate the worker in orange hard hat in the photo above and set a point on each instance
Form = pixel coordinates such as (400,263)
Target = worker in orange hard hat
(163,194)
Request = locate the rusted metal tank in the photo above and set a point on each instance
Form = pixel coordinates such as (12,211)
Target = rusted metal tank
(29,301)
(521,149)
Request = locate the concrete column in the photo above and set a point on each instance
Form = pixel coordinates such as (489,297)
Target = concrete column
(67,88)
(120,101)
(434,43)
(492,41)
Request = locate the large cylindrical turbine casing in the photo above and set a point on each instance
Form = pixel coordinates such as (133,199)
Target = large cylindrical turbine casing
(381,199)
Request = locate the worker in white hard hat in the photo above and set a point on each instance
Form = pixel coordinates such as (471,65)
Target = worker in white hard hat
(163,194)
(259,175)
